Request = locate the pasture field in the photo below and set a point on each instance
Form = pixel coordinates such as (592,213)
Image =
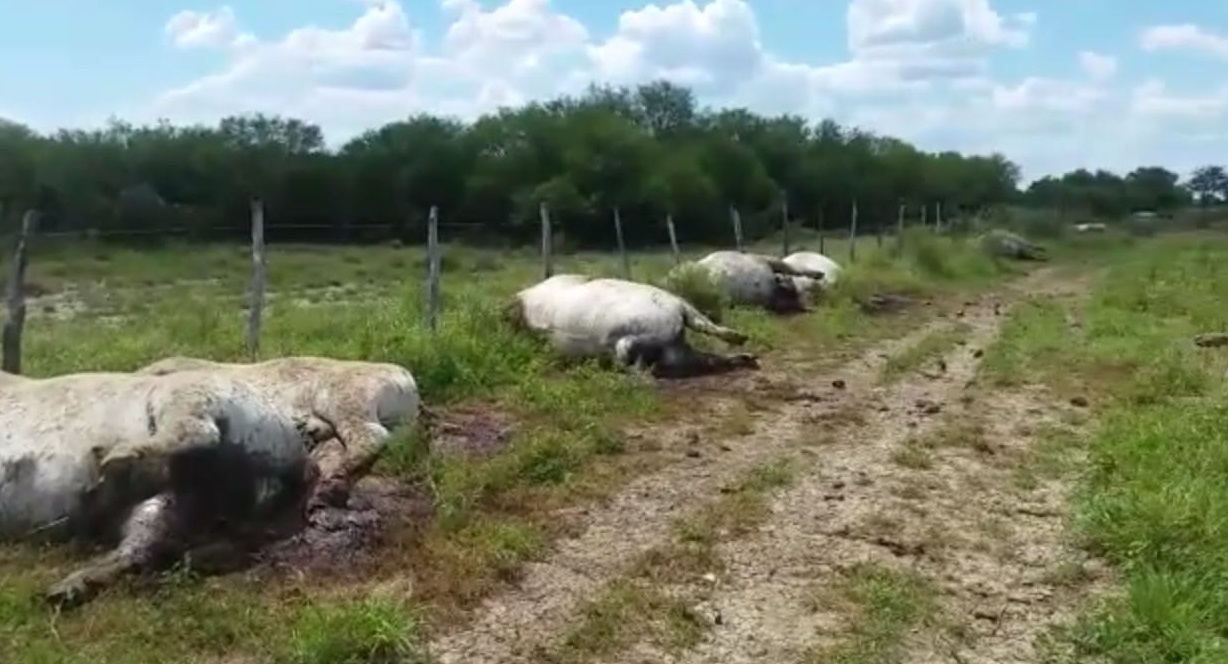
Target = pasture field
(1021,465)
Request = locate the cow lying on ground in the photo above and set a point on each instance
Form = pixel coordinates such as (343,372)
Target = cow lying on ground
(1009,245)
(813,261)
(358,403)
(633,324)
(154,465)
(757,280)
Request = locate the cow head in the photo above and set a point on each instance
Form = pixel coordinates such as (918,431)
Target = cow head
(512,314)
(785,297)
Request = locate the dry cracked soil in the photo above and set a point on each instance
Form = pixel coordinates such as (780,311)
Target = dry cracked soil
(926,473)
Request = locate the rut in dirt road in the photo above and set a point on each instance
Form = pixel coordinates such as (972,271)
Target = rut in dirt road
(512,626)
(858,504)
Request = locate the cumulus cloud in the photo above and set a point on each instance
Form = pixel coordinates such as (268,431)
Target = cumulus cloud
(1184,37)
(1097,66)
(918,69)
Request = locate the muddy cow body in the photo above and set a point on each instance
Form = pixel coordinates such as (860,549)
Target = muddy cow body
(629,323)
(352,405)
(756,280)
(153,465)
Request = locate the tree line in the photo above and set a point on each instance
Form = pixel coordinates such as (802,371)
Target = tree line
(649,151)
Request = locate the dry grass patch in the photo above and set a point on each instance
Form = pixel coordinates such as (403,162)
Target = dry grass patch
(881,606)
(928,349)
(641,605)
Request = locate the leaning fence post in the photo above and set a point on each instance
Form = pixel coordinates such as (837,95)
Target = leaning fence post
(784,227)
(547,242)
(622,246)
(673,238)
(432,268)
(736,218)
(16,296)
(853,235)
(256,305)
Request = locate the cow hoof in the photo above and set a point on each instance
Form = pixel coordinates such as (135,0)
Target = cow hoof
(69,592)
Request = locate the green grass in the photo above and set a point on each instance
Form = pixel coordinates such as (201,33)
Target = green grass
(131,308)
(1154,501)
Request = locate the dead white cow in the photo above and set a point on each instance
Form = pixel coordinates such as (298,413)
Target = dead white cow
(358,403)
(756,280)
(633,324)
(813,261)
(152,464)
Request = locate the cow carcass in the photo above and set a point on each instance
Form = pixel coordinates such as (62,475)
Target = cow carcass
(756,280)
(813,261)
(1009,245)
(633,324)
(355,404)
(1091,227)
(151,464)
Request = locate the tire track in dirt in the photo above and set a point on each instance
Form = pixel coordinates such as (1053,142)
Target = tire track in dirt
(513,626)
(842,512)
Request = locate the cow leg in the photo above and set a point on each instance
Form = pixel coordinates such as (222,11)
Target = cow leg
(681,360)
(362,443)
(141,465)
(151,531)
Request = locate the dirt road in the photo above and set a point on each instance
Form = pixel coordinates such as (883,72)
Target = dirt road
(921,473)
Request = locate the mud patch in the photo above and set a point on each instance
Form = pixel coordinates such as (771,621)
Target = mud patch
(344,542)
(477,431)
(880,304)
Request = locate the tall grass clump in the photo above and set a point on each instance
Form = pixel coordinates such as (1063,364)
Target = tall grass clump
(1155,502)
(693,284)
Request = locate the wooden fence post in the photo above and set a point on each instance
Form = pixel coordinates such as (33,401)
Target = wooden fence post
(784,227)
(16,296)
(622,246)
(853,235)
(938,216)
(432,268)
(736,218)
(924,210)
(899,225)
(821,238)
(255,312)
(547,242)
(673,238)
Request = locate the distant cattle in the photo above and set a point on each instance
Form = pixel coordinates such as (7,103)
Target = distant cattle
(151,464)
(1090,228)
(358,403)
(1009,245)
(633,324)
(756,280)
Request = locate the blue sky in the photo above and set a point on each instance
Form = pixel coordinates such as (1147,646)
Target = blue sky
(1054,85)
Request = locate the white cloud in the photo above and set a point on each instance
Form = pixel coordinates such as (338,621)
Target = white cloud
(1186,37)
(917,69)
(215,29)
(1097,66)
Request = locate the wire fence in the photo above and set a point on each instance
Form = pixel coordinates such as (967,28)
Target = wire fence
(787,234)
